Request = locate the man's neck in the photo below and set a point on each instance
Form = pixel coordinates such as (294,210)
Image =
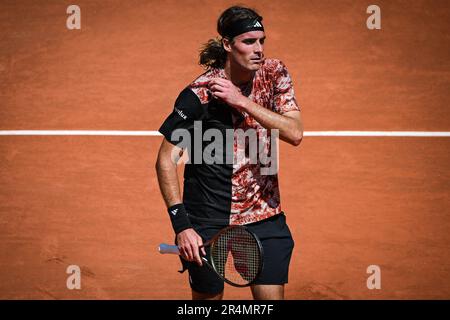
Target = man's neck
(236,74)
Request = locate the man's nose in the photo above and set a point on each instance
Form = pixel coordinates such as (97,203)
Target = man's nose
(258,47)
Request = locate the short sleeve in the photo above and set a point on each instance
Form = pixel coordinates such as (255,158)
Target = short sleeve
(187,109)
(284,97)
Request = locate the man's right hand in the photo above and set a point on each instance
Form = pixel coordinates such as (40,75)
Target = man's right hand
(189,244)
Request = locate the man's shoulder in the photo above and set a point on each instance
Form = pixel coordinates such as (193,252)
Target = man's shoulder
(204,78)
(269,62)
(200,85)
(273,66)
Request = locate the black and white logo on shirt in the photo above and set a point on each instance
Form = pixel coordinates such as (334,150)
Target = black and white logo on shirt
(180,113)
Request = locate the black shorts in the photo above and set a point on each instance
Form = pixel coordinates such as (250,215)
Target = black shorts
(277,243)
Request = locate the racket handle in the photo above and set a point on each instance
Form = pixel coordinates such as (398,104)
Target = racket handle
(167,248)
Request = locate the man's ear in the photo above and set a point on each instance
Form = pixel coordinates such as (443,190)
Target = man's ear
(226,44)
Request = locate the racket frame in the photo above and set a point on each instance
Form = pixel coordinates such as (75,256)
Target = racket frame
(172,249)
(211,264)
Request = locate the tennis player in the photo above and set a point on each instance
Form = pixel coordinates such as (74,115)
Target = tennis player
(241,91)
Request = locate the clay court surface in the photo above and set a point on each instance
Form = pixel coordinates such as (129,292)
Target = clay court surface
(351,202)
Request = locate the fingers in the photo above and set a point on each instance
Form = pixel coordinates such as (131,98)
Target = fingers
(225,90)
(202,248)
(221,82)
(217,91)
(216,88)
(196,257)
(186,252)
(219,94)
(199,247)
(189,243)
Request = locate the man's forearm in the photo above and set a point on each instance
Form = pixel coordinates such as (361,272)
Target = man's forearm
(290,129)
(168,182)
(289,124)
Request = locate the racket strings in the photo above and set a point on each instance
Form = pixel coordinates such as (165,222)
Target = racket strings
(237,256)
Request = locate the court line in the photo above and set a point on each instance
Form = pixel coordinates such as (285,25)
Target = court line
(156,133)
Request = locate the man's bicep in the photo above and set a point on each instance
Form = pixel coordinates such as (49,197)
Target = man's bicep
(169,152)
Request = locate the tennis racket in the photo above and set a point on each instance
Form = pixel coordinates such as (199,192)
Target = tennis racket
(235,254)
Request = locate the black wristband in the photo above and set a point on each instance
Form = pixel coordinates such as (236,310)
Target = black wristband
(179,218)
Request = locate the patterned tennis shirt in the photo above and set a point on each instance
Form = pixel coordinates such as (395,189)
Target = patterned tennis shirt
(230,192)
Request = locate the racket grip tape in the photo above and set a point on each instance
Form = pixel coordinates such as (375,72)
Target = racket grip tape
(166,248)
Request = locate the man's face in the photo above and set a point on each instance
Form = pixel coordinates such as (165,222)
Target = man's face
(247,50)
